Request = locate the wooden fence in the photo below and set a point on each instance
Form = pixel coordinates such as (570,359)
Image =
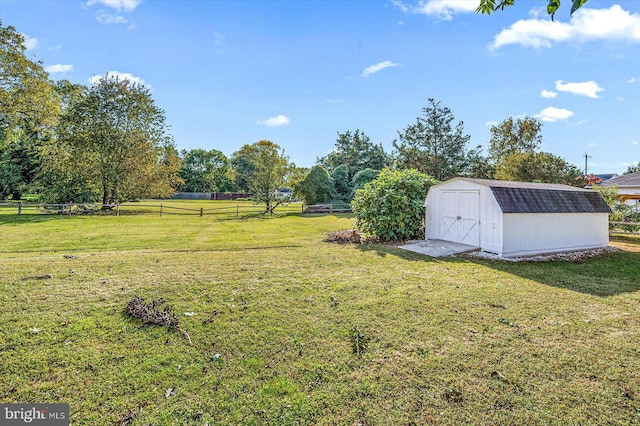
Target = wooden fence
(165,208)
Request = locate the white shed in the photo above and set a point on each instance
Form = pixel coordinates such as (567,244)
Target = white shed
(516,218)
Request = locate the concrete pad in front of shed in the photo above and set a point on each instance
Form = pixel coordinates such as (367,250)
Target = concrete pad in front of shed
(437,248)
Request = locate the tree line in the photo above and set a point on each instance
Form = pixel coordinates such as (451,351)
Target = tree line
(108,142)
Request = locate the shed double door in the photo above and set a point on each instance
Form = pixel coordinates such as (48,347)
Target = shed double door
(459,219)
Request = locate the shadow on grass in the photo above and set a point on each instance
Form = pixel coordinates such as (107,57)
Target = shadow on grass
(603,276)
(6,219)
(386,250)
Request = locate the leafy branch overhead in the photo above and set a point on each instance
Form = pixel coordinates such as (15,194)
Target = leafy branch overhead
(489,6)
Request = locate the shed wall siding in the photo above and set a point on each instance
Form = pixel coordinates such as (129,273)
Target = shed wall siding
(534,233)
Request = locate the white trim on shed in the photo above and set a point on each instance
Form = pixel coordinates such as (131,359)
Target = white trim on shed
(516,218)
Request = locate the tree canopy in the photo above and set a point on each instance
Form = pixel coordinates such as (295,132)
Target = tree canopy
(514,136)
(434,145)
(267,169)
(544,167)
(29,108)
(205,171)
(355,151)
(117,136)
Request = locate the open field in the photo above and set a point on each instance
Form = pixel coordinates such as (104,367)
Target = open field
(451,341)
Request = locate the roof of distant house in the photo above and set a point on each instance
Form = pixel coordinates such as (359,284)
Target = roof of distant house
(607,176)
(631,179)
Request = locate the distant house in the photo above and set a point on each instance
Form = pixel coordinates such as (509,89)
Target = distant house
(606,176)
(516,218)
(628,186)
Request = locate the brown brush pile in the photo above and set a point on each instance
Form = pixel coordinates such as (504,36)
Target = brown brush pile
(349,236)
(151,313)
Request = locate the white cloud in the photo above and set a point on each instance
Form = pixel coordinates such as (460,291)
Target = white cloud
(119,5)
(58,68)
(491,123)
(635,142)
(548,94)
(106,18)
(30,43)
(620,98)
(120,76)
(441,9)
(587,24)
(633,80)
(551,114)
(377,67)
(589,89)
(278,120)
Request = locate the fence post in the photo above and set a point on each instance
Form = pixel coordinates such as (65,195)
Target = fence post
(118,208)
(19,208)
(160,209)
(201,211)
(237,209)
(70,205)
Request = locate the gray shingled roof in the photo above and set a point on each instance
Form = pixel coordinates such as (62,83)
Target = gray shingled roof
(528,197)
(632,179)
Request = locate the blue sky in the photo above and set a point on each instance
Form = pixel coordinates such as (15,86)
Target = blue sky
(297,72)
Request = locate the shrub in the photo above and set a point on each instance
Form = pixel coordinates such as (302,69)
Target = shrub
(390,208)
(362,178)
(341,184)
(316,187)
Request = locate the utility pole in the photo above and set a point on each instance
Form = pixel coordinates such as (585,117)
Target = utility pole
(586,159)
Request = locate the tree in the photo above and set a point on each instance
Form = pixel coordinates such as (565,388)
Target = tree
(390,208)
(433,145)
(634,168)
(341,185)
(489,6)
(362,178)
(543,167)
(510,137)
(117,137)
(355,151)
(29,108)
(317,186)
(205,171)
(267,169)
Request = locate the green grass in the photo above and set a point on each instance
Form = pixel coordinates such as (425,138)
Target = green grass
(450,341)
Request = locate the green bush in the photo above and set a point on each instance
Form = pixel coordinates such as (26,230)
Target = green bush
(390,208)
(316,187)
(341,183)
(362,178)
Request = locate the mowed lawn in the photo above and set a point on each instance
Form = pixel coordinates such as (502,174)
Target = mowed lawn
(271,309)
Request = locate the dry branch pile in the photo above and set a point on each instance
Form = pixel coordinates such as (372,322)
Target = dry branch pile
(151,313)
(345,237)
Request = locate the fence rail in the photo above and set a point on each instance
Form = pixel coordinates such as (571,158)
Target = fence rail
(157,208)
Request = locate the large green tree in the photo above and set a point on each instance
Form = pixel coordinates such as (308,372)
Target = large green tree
(355,151)
(29,109)
(117,137)
(265,170)
(514,136)
(543,167)
(205,171)
(434,144)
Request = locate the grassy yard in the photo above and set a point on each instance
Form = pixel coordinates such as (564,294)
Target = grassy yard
(271,309)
